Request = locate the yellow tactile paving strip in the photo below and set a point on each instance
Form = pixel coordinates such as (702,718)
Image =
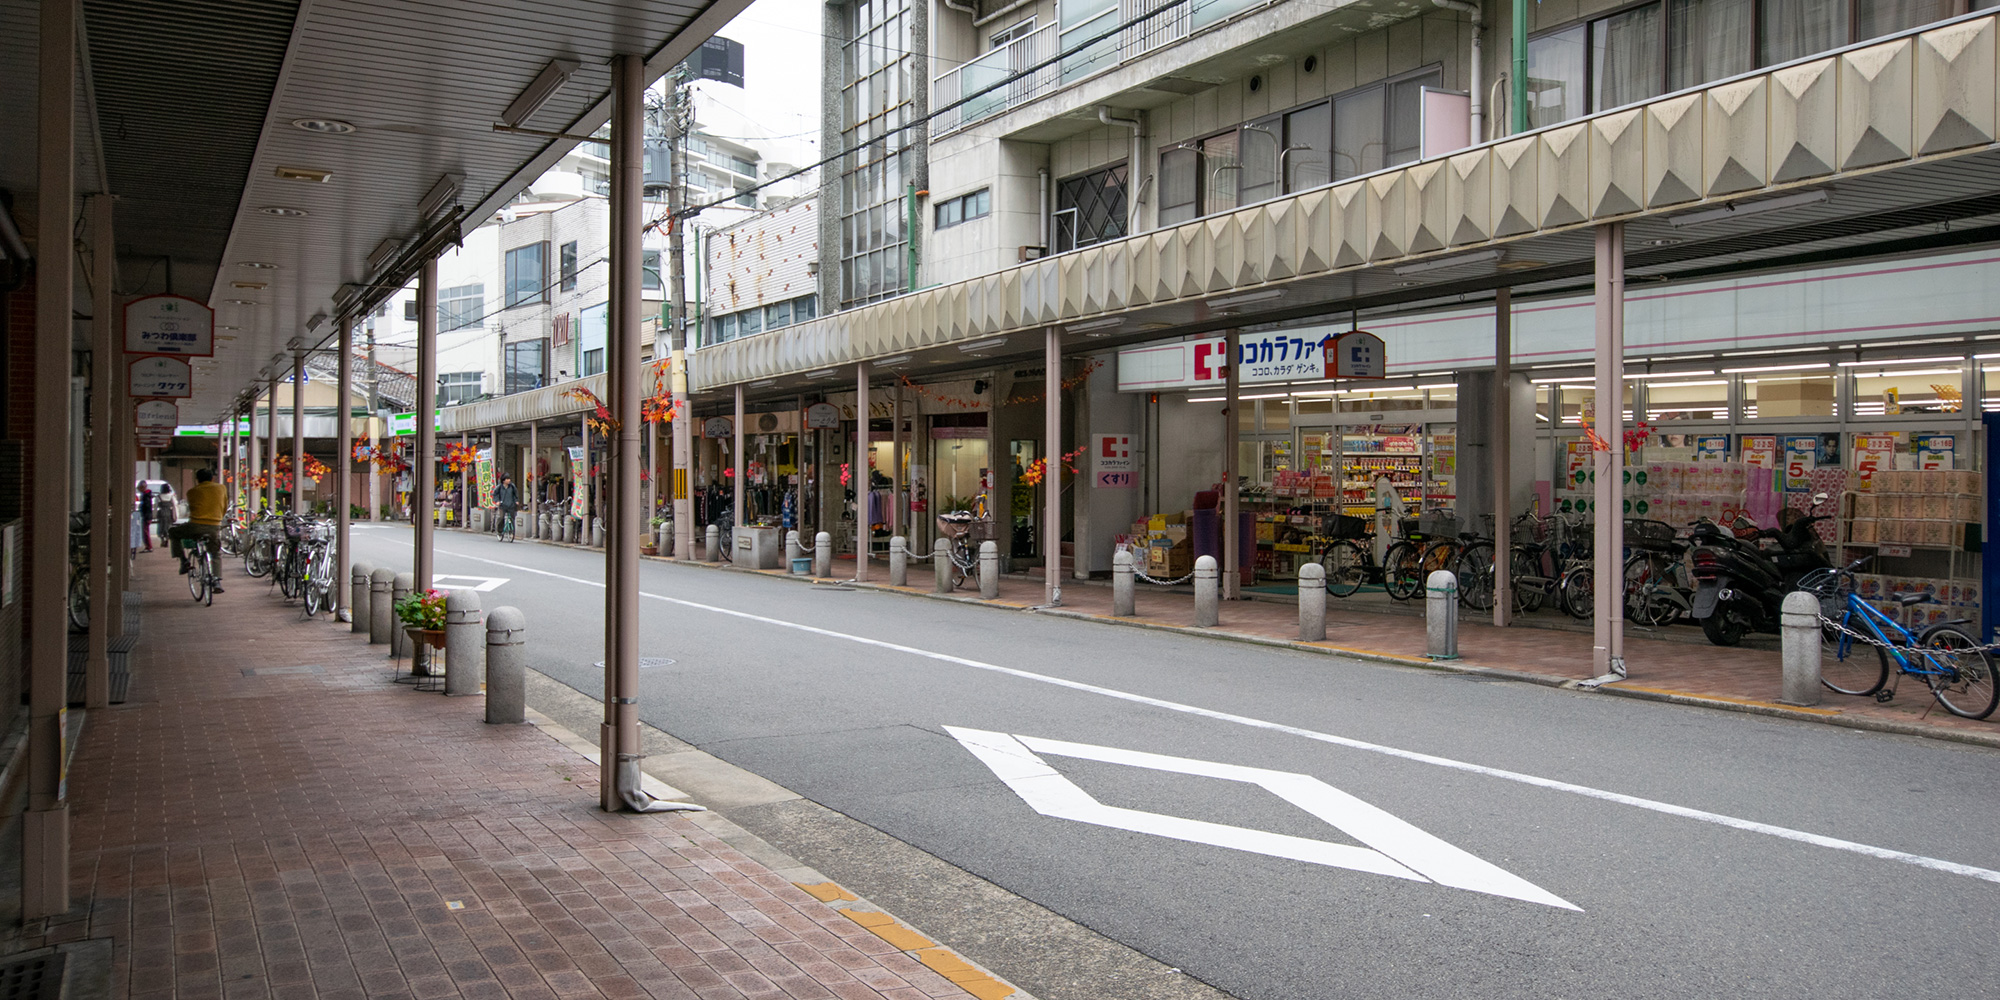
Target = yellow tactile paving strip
(937,958)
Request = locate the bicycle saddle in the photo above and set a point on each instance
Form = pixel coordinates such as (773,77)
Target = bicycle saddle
(1908,600)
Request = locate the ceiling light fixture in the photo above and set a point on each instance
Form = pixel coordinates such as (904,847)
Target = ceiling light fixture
(1229,301)
(312,326)
(983,345)
(304,174)
(382,252)
(1894,362)
(1665,241)
(324,126)
(544,86)
(1647,375)
(240,302)
(441,194)
(260,265)
(1738,209)
(891,362)
(1438,265)
(346,293)
(1096,324)
(823,373)
(284,211)
(762,382)
(250,286)
(1777,368)
(1520,265)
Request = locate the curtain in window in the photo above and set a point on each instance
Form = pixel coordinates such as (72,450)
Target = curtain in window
(1625,54)
(1309,135)
(1794,29)
(1708,40)
(1874,18)
(1555,78)
(1357,133)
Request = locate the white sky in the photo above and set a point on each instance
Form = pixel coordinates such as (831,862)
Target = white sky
(780,97)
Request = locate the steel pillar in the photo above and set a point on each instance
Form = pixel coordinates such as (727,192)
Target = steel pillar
(1232,558)
(343,465)
(423,466)
(1502,454)
(105,615)
(1607,649)
(1052,466)
(620,738)
(859,474)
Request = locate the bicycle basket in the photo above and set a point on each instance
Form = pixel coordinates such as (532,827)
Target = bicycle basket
(1644,534)
(1410,526)
(982,531)
(1439,524)
(1347,526)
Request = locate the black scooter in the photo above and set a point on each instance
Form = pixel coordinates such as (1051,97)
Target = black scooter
(1741,583)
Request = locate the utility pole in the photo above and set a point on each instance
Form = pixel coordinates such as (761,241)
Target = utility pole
(680,119)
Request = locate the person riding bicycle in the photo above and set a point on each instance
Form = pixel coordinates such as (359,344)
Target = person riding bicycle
(508,498)
(207,503)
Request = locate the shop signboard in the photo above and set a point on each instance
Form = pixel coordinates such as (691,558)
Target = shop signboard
(1801,458)
(1272,356)
(1356,354)
(484,472)
(717,427)
(169,324)
(156,413)
(154,437)
(1711,448)
(1116,467)
(957,433)
(1760,450)
(826,417)
(1934,451)
(1873,453)
(160,378)
(577,490)
(405,424)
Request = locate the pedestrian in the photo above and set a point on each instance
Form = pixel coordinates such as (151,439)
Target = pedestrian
(164,509)
(146,514)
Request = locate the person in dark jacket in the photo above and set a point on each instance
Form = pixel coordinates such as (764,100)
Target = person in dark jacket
(146,514)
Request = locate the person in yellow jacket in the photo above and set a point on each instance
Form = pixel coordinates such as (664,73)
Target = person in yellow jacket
(207,503)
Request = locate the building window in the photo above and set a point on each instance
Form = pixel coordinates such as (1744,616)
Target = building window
(409,310)
(461,307)
(750,323)
(753,321)
(458,387)
(804,308)
(878,86)
(964,208)
(649,270)
(1089,209)
(528,274)
(568,258)
(593,362)
(526,366)
(725,328)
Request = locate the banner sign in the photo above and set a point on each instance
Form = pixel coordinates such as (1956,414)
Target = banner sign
(160,378)
(156,413)
(169,324)
(578,499)
(484,469)
(1273,356)
(405,424)
(1115,465)
(1356,354)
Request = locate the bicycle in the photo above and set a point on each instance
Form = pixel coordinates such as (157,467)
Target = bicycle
(231,538)
(79,571)
(260,547)
(959,527)
(316,571)
(1956,668)
(1655,576)
(203,580)
(504,529)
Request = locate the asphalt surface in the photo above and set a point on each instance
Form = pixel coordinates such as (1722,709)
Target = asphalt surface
(1454,836)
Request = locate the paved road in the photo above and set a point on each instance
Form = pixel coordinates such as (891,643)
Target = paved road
(1286,825)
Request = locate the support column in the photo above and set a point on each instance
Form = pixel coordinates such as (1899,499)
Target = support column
(1052,465)
(1502,452)
(256,462)
(45,827)
(1607,649)
(896,526)
(531,481)
(621,597)
(271,441)
(343,468)
(736,462)
(423,465)
(465,477)
(298,431)
(859,473)
(1232,575)
(105,619)
(582,486)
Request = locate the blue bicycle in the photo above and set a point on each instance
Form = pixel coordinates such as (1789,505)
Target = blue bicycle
(1952,663)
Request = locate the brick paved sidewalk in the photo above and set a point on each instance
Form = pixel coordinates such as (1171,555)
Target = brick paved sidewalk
(270,817)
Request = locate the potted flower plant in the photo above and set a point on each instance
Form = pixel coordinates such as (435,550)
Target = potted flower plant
(422,616)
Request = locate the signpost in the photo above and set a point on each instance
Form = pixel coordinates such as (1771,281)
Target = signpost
(169,324)
(159,377)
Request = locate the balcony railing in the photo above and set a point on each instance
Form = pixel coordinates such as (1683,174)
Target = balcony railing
(1150,25)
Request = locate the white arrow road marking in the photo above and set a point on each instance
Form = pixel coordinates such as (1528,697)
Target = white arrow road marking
(1531,780)
(483,584)
(1394,847)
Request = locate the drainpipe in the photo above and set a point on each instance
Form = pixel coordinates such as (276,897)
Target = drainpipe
(996,15)
(1133,161)
(961,8)
(1042,189)
(1520,116)
(910,237)
(1476,90)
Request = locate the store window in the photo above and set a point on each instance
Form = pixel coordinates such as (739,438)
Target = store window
(1687,399)
(527,274)
(567,256)
(1894,392)
(1778,397)
(1089,209)
(1378,399)
(1442,397)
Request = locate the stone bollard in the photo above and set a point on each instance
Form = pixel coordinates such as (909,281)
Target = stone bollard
(823,556)
(596,532)
(793,551)
(381,616)
(663,539)
(1441,615)
(941,565)
(1207,598)
(713,551)
(359,607)
(989,570)
(1799,636)
(463,621)
(399,640)
(899,562)
(1124,600)
(506,671)
(1312,602)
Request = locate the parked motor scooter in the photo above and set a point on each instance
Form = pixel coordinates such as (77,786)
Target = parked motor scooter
(1741,582)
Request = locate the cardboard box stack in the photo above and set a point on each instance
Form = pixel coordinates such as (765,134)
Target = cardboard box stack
(1168,552)
(1948,599)
(1928,508)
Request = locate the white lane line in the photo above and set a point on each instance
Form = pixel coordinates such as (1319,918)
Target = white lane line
(1604,795)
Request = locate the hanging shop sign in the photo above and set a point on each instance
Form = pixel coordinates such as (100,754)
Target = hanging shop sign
(1356,354)
(153,437)
(169,324)
(405,424)
(1112,460)
(164,378)
(1273,356)
(822,417)
(156,413)
(718,427)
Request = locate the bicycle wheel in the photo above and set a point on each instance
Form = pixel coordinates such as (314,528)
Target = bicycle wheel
(197,579)
(1531,588)
(309,587)
(1851,670)
(1474,567)
(288,572)
(1578,593)
(1346,565)
(79,600)
(257,559)
(1646,598)
(1399,571)
(1963,681)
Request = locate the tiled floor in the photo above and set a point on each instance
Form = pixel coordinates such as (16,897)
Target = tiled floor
(271,817)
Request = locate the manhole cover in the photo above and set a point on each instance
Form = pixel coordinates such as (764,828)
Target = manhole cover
(645,663)
(30,978)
